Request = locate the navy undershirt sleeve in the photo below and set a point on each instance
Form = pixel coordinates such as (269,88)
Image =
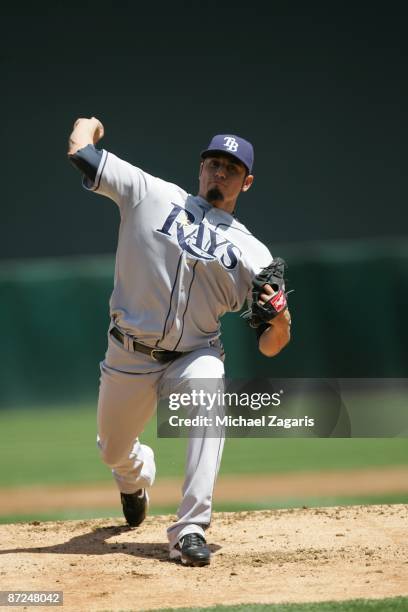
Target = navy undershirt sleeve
(87,161)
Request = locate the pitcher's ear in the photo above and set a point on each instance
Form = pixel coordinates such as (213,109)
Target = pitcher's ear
(247,182)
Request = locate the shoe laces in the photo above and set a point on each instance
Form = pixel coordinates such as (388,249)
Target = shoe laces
(193,540)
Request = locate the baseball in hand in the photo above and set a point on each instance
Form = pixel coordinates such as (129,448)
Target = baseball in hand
(92,125)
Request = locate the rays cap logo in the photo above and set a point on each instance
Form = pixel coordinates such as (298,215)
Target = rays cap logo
(236,146)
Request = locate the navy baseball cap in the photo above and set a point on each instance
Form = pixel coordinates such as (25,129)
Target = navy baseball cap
(233,145)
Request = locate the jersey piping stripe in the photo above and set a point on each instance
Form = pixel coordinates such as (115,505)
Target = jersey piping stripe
(171,299)
(233,228)
(221,438)
(99,174)
(188,299)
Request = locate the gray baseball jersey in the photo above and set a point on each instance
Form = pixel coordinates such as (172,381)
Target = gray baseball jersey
(180,264)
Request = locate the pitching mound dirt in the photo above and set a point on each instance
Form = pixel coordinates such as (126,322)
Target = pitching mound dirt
(267,557)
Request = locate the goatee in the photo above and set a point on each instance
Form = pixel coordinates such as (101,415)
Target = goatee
(214,195)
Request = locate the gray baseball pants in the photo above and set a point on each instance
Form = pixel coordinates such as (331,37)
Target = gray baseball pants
(130,386)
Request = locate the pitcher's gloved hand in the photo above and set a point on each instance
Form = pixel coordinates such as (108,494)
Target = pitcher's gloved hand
(267,304)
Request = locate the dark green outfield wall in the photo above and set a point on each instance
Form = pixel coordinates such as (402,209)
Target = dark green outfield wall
(348,309)
(319,88)
(321,91)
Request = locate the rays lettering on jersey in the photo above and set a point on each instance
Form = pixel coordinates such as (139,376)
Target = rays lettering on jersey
(200,241)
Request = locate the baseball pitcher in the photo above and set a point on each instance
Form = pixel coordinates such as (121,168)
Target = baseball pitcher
(182,262)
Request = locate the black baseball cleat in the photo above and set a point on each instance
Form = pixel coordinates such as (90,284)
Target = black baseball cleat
(192,550)
(135,507)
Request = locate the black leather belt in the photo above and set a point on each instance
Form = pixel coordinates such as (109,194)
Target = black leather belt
(155,353)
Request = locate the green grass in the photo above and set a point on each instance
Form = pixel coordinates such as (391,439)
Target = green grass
(45,446)
(353,605)
(115,512)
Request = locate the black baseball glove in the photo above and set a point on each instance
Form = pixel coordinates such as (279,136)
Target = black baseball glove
(273,275)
